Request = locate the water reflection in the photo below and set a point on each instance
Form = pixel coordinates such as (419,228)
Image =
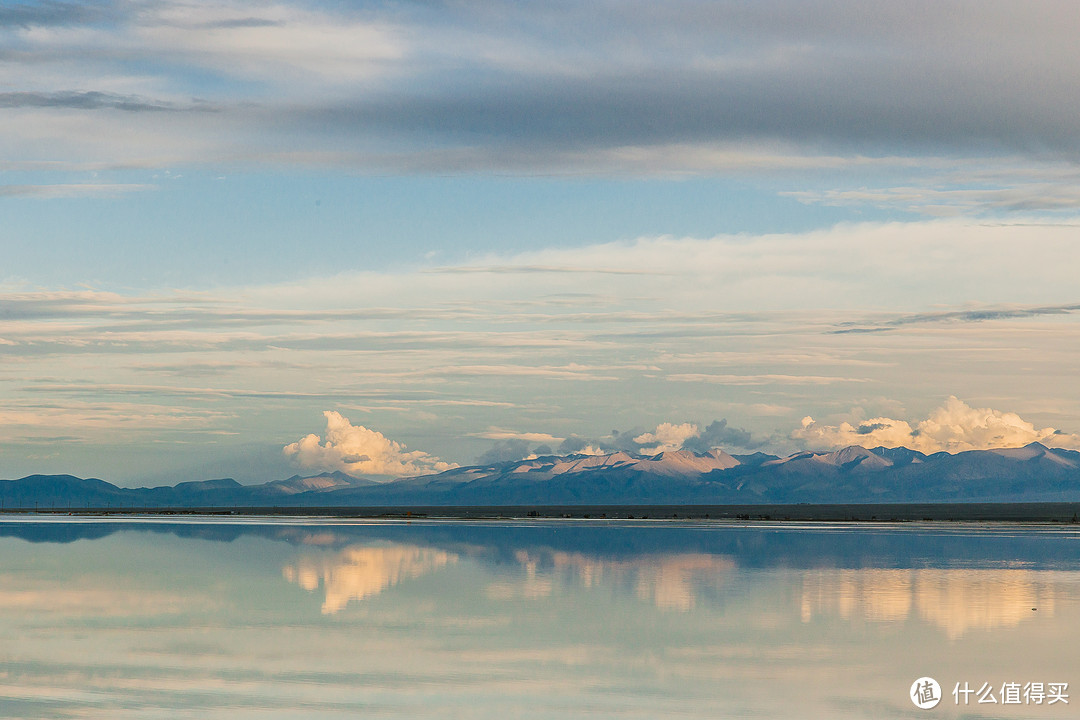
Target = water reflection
(544,620)
(356,573)
(954,600)
(669,582)
(80,600)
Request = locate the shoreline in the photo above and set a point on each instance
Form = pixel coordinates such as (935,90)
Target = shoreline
(1045,512)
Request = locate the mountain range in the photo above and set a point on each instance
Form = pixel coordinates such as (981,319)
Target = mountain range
(1034,473)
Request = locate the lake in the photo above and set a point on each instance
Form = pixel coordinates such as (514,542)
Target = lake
(306,618)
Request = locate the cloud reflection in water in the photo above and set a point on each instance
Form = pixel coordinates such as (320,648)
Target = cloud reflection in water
(955,600)
(669,581)
(358,572)
(137,620)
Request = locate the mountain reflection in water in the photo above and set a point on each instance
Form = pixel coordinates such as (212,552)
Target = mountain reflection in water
(291,618)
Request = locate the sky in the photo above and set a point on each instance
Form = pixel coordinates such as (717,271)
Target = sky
(258,238)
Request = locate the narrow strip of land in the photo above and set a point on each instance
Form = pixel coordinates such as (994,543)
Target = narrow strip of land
(1053,512)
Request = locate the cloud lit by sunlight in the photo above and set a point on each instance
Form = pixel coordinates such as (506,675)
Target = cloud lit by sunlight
(953,427)
(667,437)
(357,451)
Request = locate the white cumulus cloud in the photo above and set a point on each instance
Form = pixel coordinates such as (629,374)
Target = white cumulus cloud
(357,450)
(667,437)
(953,427)
(496,433)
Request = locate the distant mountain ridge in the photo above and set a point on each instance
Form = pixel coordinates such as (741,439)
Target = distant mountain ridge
(1032,473)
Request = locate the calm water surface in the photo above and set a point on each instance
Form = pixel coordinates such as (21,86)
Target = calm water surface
(324,619)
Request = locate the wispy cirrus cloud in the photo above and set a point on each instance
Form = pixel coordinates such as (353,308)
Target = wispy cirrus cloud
(94,417)
(74,190)
(759,379)
(978,315)
(954,201)
(51,13)
(94,100)
(528,269)
(495,433)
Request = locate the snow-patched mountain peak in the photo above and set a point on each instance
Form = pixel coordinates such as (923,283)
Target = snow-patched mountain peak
(853,456)
(580,463)
(1037,451)
(317,483)
(672,463)
(686,462)
(805,455)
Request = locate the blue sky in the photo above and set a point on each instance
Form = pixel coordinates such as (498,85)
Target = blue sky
(481,230)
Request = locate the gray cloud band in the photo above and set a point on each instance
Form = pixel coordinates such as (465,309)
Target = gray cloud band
(944,79)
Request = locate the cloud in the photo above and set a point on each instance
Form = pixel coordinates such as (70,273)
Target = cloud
(953,427)
(357,451)
(285,43)
(73,190)
(689,436)
(495,433)
(667,437)
(507,450)
(728,314)
(93,100)
(758,379)
(1000,313)
(718,434)
(100,417)
(621,87)
(959,316)
(788,86)
(511,445)
(503,269)
(574,445)
(1021,197)
(49,13)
